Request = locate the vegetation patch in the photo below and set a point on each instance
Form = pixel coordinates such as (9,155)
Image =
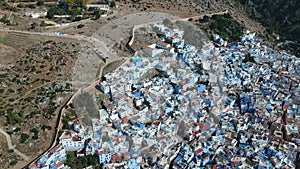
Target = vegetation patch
(99,69)
(82,162)
(112,66)
(150,75)
(223,25)
(24,137)
(281,18)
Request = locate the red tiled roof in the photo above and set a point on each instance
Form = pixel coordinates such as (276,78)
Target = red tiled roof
(162,43)
(148,48)
(80,151)
(116,157)
(152,153)
(228,139)
(54,149)
(76,138)
(57,164)
(199,150)
(135,117)
(49,155)
(126,155)
(235,162)
(156,123)
(76,121)
(32,165)
(125,121)
(115,139)
(204,126)
(161,138)
(285,107)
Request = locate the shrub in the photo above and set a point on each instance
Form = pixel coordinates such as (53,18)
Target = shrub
(40,3)
(32,6)
(24,137)
(21,5)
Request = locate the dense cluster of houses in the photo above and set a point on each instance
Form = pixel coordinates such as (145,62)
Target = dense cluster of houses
(224,106)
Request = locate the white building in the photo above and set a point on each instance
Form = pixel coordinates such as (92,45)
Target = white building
(36,14)
(69,144)
(151,50)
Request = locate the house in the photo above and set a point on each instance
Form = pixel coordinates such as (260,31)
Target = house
(69,144)
(163,67)
(171,49)
(201,88)
(98,6)
(35,15)
(104,87)
(151,50)
(51,159)
(132,164)
(80,153)
(138,62)
(104,158)
(163,45)
(58,165)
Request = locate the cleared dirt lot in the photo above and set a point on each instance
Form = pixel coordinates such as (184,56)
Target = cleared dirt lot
(7,54)
(119,29)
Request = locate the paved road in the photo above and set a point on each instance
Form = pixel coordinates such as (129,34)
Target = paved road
(10,146)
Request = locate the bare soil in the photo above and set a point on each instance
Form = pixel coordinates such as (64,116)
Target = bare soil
(7,54)
(7,157)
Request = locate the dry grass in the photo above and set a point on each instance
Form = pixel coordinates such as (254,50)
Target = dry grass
(99,69)
(7,54)
(149,75)
(112,66)
(18,41)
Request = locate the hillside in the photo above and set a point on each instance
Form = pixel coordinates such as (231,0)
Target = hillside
(280,17)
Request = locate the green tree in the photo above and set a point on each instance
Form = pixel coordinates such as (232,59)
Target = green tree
(96,14)
(112,4)
(21,5)
(32,6)
(54,10)
(4,19)
(33,25)
(24,137)
(205,18)
(40,2)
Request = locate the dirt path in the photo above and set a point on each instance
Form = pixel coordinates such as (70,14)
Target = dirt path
(10,146)
(103,44)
